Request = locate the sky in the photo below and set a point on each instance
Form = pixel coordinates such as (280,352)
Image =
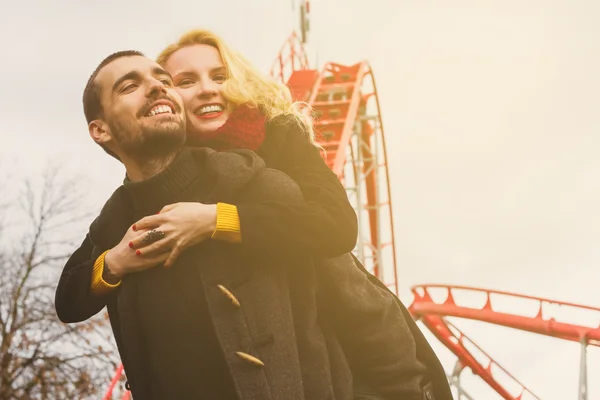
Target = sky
(491,117)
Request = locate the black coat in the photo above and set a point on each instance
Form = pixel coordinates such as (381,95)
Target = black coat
(325,226)
(168,322)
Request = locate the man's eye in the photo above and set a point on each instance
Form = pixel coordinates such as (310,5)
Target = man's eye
(166,82)
(129,87)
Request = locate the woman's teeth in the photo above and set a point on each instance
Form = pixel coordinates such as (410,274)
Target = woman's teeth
(210,109)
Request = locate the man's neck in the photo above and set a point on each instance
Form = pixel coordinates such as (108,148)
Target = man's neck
(142,170)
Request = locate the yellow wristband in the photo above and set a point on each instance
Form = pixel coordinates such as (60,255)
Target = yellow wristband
(98,285)
(228,224)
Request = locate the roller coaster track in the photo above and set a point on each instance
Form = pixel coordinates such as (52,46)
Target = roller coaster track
(433,303)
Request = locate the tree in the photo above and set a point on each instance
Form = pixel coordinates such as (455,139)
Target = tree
(40,357)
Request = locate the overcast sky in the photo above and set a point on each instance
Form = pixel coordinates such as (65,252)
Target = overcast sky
(491,111)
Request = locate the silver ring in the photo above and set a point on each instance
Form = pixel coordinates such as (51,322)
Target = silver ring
(153,235)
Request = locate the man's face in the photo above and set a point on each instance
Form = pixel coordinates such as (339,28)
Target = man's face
(143,115)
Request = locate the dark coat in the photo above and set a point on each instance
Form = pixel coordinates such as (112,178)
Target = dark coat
(388,354)
(324,225)
(163,345)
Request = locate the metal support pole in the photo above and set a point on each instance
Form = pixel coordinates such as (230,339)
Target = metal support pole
(454,381)
(455,378)
(583,371)
(356,165)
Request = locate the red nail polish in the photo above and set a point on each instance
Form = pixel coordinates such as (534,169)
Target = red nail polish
(137,252)
(131,244)
(134,228)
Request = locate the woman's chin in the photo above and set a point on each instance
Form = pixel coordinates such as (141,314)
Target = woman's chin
(205,127)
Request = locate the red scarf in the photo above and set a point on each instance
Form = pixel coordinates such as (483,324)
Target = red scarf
(244,129)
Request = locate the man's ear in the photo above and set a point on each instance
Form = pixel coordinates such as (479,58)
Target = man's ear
(100,132)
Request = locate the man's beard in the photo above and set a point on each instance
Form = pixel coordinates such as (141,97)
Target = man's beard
(151,142)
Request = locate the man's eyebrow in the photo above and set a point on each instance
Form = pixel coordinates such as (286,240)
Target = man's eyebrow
(135,75)
(127,76)
(160,71)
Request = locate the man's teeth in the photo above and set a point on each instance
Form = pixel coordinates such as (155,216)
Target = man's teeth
(160,109)
(210,108)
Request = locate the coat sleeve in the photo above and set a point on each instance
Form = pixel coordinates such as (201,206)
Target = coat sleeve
(324,225)
(74,301)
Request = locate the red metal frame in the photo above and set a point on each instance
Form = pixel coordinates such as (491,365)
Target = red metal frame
(352,113)
(291,54)
(423,307)
(292,50)
(113,383)
(432,314)
(329,82)
(373,184)
(424,304)
(457,342)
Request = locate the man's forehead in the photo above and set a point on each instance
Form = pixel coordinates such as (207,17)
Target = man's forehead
(122,66)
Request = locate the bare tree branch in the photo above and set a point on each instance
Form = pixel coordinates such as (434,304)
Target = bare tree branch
(40,357)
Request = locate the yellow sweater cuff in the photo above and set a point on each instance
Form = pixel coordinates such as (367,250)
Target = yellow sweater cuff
(228,224)
(98,285)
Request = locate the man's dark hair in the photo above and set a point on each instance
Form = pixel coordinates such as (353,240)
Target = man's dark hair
(92,108)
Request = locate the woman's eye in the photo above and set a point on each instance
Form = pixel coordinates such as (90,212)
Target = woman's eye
(219,78)
(185,82)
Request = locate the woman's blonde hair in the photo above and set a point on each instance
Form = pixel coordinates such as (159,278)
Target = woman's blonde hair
(244,83)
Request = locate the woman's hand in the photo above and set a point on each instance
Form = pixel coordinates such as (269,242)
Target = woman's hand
(121,260)
(183,225)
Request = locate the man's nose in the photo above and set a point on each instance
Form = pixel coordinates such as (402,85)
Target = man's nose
(156,87)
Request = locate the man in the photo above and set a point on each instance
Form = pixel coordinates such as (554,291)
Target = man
(219,323)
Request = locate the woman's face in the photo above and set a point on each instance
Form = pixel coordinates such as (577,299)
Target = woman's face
(198,74)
